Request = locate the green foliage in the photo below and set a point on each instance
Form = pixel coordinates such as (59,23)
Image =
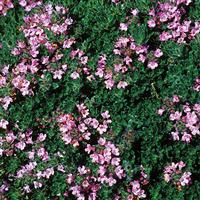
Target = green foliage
(139,132)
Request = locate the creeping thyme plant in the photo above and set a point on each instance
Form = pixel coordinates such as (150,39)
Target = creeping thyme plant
(99,99)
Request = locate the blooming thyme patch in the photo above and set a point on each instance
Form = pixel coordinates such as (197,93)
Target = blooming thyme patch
(85,111)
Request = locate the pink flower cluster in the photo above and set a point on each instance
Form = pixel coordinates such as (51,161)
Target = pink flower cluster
(28,170)
(82,60)
(76,130)
(106,155)
(189,118)
(84,184)
(87,188)
(33,65)
(172,16)
(129,19)
(174,173)
(126,49)
(28,5)
(34,30)
(13,143)
(135,186)
(5,5)
(186,122)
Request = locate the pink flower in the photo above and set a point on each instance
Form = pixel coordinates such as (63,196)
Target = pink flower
(89,148)
(41,137)
(116,1)
(31,155)
(16,52)
(181,164)
(68,43)
(5,70)
(22,3)
(102,141)
(142,58)
(83,110)
(105,115)
(70,179)
(186,108)
(111,181)
(196,107)
(99,73)
(175,135)
(41,152)
(151,23)
(186,137)
(191,118)
(141,49)
(158,53)
(102,129)
(134,12)
(152,64)
(75,75)
(175,116)
(20,145)
(64,67)
(109,84)
(102,170)
(84,60)
(127,60)
(66,138)
(2,81)
(48,172)
(123,27)
(119,172)
(165,36)
(163,17)
(82,128)
(167,177)
(27,189)
(82,170)
(88,121)
(115,161)
(122,84)
(195,130)
(197,85)
(3,124)
(176,99)
(10,137)
(161,111)
(136,189)
(94,123)
(86,135)
(37,184)
(58,74)
(94,157)
(152,12)
(185,178)
(6,101)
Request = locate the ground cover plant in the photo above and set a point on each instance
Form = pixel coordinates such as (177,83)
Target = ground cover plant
(99,99)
